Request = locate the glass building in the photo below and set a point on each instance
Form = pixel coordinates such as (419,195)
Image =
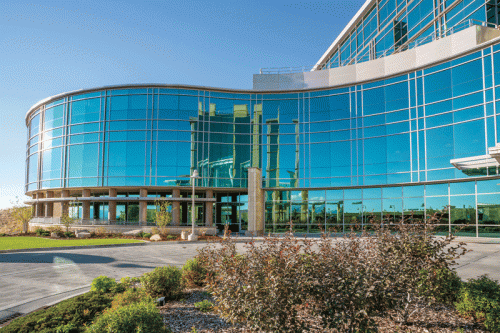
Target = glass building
(398,118)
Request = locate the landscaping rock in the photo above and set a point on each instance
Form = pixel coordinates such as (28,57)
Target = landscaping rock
(54,235)
(132,232)
(184,235)
(155,238)
(82,234)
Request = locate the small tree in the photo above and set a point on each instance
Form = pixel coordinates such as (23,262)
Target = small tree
(21,214)
(163,215)
(67,221)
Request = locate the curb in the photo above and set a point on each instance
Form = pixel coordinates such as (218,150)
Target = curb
(32,305)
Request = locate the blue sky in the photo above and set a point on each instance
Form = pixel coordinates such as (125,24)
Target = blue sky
(50,47)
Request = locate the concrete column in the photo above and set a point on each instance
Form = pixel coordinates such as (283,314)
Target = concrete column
(86,205)
(255,203)
(40,206)
(34,205)
(65,204)
(49,206)
(209,210)
(143,207)
(176,208)
(112,205)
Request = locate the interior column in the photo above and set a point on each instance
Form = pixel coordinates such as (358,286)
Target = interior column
(209,210)
(176,208)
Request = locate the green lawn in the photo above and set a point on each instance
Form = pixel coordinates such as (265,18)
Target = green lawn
(14,243)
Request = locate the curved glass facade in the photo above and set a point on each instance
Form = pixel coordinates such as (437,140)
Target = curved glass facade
(400,130)
(389,25)
(330,157)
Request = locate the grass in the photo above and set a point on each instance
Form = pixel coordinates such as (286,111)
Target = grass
(21,242)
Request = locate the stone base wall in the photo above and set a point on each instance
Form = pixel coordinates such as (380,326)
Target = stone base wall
(172,230)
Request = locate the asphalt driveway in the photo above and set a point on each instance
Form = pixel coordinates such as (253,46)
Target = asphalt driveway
(29,280)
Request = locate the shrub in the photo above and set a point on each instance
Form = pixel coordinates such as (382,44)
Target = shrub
(346,283)
(42,232)
(163,281)
(62,317)
(263,288)
(171,237)
(56,229)
(131,295)
(69,234)
(102,284)
(441,284)
(68,328)
(204,306)
(480,299)
(100,231)
(193,273)
(118,288)
(133,318)
(130,282)
(146,235)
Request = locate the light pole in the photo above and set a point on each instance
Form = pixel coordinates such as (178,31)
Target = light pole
(193,236)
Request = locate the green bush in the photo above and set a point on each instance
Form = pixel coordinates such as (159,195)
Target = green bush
(69,316)
(193,273)
(143,234)
(163,281)
(441,284)
(204,306)
(102,284)
(68,328)
(134,318)
(42,232)
(131,295)
(69,234)
(480,299)
(171,237)
(129,282)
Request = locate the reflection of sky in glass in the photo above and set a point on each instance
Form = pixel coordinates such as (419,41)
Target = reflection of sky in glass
(146,136)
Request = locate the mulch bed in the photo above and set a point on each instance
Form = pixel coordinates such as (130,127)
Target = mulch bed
(108,236)
(181,316)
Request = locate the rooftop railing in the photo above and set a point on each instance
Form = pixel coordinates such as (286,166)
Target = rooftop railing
(367,54)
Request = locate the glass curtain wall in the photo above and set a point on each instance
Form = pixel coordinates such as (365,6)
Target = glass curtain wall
(468,208)
(392,24)
(400,130)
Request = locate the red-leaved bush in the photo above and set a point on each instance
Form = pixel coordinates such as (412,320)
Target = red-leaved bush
(287,284)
